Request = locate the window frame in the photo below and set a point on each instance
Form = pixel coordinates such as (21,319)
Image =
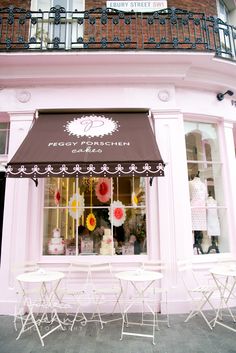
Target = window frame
(220,207)
(113,198)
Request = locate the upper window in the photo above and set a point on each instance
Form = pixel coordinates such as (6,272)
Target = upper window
(61,32)
(223,12)
(209,214)
(69,5)
(4,138)
(96,216)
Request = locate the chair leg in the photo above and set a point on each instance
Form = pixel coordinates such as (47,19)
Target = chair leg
(198,310)
(167,319)
(82,318)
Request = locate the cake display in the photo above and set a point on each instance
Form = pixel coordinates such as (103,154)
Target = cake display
(56,244)
(107,246)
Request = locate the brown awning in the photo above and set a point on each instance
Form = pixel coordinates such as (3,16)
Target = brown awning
(88,144)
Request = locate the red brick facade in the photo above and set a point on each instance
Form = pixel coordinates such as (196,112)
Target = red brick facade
(207,6)
(138,32)
(17,3)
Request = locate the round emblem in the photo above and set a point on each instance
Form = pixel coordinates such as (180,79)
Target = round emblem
(91,126)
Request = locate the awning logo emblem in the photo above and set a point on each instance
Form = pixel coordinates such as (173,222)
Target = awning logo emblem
(91,126)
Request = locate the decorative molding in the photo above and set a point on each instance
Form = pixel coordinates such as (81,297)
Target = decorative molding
(228,124)
(21,115)
(23,96)
(164,95)
(35,171)
(166,113)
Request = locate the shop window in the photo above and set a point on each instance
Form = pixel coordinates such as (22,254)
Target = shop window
(4,137)
(94,216)
(208,210)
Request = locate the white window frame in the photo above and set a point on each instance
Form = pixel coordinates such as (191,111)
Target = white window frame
(221,206)
(77,255)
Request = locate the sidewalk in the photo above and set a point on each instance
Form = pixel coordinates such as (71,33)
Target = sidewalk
(181,337)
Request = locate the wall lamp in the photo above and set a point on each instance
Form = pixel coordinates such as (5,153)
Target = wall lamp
(220,96)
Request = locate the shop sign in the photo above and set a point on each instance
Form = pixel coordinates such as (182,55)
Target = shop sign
(138,6)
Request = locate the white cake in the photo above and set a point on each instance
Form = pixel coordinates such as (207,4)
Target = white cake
(56,244)
(107,247)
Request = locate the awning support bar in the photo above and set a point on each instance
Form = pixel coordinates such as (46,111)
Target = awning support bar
(35,181)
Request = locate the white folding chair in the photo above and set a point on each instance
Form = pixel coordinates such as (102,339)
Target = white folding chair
(199,293)
(75,293)
(37,316)
(226,284)
(105,296)
(159,293)
(22,294)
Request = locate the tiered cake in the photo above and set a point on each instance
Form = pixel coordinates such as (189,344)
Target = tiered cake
(56,245)
(107,247)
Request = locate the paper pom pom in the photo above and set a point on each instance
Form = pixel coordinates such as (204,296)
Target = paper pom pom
(103,189)
(117,213)
(134,199)
(91,222)
(76,206)
(57,197)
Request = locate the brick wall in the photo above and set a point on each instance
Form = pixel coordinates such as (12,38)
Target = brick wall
(139,33)
(94,3)
(25,4)
(206,6)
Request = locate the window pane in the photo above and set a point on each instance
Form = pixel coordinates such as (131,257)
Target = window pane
(4,137)
(97,216)
(223,11)
(62,3)
(201,141)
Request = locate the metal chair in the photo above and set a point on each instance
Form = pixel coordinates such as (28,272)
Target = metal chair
(22,294)
(75,271)
(199,293)
(38,315)
(104,295)
(159,293)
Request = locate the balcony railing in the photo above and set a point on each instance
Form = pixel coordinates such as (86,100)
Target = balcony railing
(109,29)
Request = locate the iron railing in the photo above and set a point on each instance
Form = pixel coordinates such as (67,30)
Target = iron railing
(105,28)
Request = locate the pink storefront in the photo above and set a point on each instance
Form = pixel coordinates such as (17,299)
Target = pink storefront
(128,156)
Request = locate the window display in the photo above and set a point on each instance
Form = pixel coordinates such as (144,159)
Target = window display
(208,210)
(94,216)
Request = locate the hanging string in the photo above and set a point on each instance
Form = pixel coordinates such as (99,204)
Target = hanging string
(91,194)
(117,189)
(133,183)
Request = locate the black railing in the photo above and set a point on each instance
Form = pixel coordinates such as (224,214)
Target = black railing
(107,28)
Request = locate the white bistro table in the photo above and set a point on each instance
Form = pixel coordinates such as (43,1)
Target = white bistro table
(43,278)
(225,279)
(49,282)
(140,281)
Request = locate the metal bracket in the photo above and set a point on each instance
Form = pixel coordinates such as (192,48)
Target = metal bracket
(35,181)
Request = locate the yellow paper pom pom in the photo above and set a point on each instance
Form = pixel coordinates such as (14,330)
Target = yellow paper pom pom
(91,222)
